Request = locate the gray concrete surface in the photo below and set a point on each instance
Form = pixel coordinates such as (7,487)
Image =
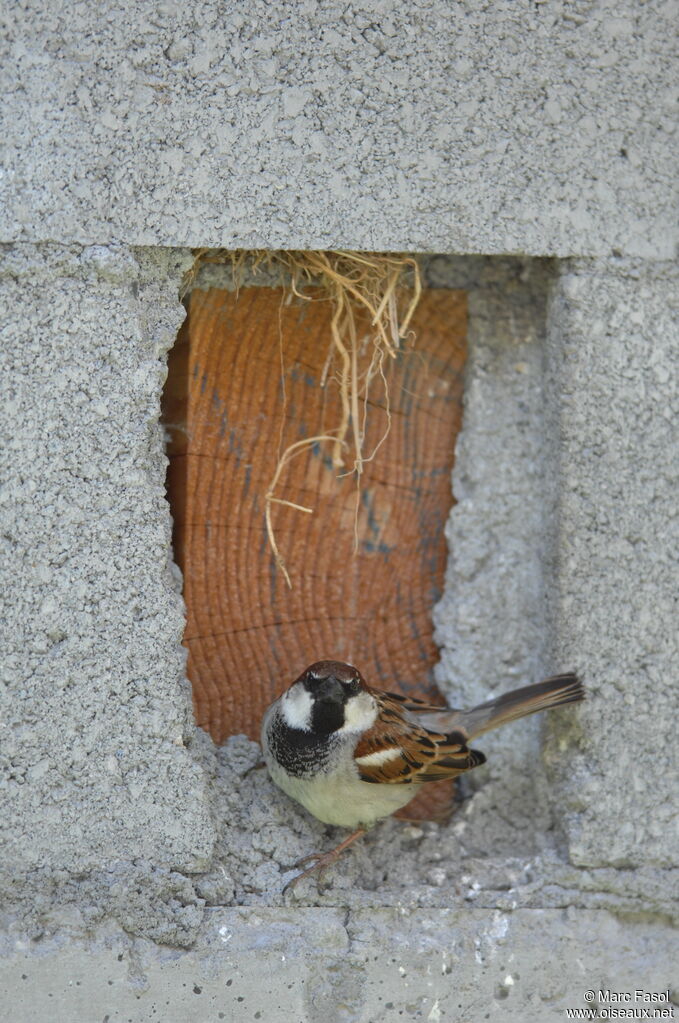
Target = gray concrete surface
(118,813)
(490,623)
(97,781)
(141,869)
(512,126)
(482,858)
(329,966)
(613,397)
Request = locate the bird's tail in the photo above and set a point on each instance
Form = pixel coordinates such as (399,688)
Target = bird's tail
(553,692)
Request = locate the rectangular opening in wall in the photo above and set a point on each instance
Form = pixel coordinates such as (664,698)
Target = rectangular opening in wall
(255,371)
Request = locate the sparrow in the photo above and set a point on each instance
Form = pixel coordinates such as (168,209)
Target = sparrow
(352,754)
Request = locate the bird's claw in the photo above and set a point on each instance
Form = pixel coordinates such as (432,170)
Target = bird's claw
(321,862)
(309,858)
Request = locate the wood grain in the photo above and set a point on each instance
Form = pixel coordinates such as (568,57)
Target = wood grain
(230,411)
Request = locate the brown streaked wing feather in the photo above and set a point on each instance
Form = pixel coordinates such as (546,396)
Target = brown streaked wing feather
(402,752)
(414,703)
(556,691)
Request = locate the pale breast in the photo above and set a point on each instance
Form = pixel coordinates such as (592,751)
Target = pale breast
(346,801)
(320,773)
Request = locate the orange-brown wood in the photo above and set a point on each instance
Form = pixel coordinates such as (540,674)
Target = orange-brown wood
(244,384)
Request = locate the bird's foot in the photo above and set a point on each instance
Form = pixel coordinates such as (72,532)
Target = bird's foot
(322,860)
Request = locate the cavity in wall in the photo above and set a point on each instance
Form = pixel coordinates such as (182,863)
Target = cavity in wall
(250,378)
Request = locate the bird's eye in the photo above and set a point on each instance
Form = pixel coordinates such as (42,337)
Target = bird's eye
(351,686)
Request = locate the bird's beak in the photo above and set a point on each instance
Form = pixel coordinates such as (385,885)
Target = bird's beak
(330,691)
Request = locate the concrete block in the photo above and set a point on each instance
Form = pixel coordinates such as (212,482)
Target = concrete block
(512,127)
(613,344)
(97,768)
(328,966)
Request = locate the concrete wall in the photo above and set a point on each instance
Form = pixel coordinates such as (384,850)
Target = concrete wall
(141,869)
(511,126)
(325,965)
(95,711)
(612,357)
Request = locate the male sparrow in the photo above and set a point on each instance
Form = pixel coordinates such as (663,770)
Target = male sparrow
(352,755)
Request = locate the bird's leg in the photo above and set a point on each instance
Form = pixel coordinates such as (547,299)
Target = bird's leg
(323,860)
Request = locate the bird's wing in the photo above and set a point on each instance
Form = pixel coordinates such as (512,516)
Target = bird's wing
(551,692)
(398,750)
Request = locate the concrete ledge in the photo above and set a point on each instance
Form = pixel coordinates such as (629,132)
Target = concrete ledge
(330,966)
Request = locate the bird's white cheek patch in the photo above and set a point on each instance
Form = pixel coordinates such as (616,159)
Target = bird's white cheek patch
(380,756)
(296,708)
(360,713)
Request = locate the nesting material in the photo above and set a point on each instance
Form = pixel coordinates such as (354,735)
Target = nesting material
(379,290)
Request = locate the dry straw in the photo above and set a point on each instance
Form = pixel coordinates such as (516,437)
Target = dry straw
(377,289)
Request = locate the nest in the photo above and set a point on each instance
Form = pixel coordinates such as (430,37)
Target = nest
(378,289)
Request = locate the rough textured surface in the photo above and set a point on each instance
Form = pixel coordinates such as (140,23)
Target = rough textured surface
(613,395)
(490,622)
(490,626)
(512,126)
(121,814)
(509,127)
(96,717)
(328,966)
(480,859)
(114,814)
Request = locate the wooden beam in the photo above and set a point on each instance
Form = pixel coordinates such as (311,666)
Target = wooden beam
(244,383)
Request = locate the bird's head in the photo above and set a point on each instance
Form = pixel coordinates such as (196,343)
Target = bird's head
(329,697)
